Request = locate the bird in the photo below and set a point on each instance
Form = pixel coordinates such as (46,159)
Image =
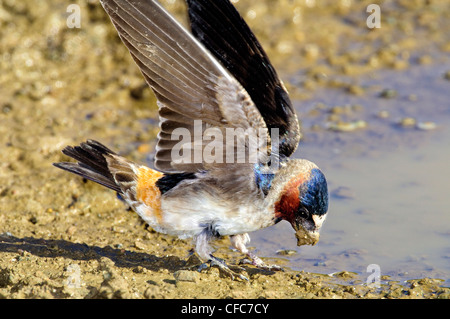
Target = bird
(214,80)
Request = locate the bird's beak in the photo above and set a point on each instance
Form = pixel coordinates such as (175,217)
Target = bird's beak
(305,237)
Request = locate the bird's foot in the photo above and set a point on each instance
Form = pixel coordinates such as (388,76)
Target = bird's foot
(225,269)
(257,262)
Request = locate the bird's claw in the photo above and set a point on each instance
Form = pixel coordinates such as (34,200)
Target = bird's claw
(223,267)
(257,262)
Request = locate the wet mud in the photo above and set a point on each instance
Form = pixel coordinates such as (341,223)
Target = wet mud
(62,237)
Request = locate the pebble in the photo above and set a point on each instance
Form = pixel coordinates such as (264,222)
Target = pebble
(407,122)
(345,275)
(71,230)
(388,93)
(426,126)
(140,245)
(383,114)
(356,90)
(347,126)
(320,263)
(153,292)
(311,51)
(6,108)
(286,252)
(447,75)
(337,110)
(425,59)
(186,275)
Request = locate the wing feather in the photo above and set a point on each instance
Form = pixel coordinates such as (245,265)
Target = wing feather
(189,82)
(219,26)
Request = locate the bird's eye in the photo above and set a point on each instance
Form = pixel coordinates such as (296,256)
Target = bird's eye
(303,212)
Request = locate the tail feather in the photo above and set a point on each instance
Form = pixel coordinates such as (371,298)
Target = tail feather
(92,163)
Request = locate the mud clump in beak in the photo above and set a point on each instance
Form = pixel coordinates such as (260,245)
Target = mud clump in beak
(305,237)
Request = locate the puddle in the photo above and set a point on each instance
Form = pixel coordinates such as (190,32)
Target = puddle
(390,200)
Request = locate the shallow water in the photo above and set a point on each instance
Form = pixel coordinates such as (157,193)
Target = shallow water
(389,202)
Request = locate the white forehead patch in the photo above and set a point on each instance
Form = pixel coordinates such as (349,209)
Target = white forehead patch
(318,220)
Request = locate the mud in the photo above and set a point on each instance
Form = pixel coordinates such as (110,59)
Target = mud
(62,237)
(57,268)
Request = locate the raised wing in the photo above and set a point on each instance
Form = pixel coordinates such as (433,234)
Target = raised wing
(196,94)
(218,25)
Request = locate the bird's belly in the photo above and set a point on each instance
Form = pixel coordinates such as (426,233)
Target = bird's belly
(188,218)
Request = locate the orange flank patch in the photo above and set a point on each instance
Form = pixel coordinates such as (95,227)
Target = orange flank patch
(147,192)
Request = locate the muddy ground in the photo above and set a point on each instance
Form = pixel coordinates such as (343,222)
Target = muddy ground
(62,237)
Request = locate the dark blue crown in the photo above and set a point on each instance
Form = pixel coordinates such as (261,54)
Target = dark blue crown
(314,193)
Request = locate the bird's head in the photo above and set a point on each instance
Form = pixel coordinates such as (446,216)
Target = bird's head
(303,200)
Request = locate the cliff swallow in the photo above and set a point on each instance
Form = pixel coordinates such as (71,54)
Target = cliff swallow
(210,82)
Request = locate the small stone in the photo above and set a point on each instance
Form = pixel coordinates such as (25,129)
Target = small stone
(140,245)
(139,270)
(311,51)
(337,110)
(388,93)
(320,263)
(407,122)
(153,292)
(416,292)
(426,126)
(425,59)
(445,295)
(33,220)
(322,106)
(345,275)
(355,89)
(383,114)
(400,64)
(186,275)
(6,108)
(357,107)
(286,252)
(71,230)
(447,75)
(341,126)
(395,293)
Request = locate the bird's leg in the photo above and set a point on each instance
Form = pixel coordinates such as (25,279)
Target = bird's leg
(205,253)
(239,242)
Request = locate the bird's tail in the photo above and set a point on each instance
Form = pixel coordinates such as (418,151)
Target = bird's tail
(135,183)
(98,163)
